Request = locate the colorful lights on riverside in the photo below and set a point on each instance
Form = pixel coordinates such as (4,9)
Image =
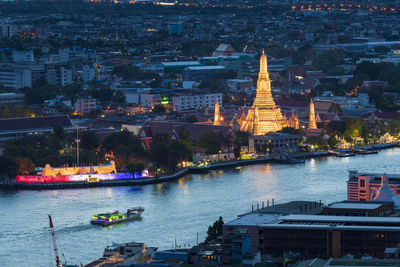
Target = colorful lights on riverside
(82,177)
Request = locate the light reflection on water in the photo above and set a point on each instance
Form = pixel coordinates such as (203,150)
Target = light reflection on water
(176,209)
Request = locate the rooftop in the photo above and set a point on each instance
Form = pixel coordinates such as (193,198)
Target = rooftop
(206,68)
(28,123)
(180,63)
(364,206)
(255,219)
(294,207)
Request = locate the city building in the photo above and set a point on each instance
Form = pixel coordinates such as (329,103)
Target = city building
(224,50)
(177,67)
(201,73)
(182,102)
(85,105)
(58,75)
(356,208)
(8,30)
(351,106)
(7,98)
(23,56)
(12,128)
(364,186)
(87,73)
(239,85)
(274,142)
(264,116)
(15,76)
(318,235)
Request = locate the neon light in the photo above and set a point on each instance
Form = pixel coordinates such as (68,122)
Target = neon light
(81,177)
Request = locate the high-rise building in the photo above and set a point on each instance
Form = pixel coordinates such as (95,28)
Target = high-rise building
(23,56)
(264,116)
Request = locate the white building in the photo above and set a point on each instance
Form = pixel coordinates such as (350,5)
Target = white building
(347,102)
(6,98)
(196,101)
(238,85)
(63,55)
(87,73)
(85,105)
(59,75)
(15,76)
(23,56)
(8,30)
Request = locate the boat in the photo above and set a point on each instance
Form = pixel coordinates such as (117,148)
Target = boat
(238,169)
(367,152)
(113,217)
(343,155)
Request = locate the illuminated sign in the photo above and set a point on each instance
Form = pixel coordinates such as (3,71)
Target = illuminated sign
(164,100)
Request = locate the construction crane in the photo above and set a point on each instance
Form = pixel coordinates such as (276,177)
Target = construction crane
(53,236)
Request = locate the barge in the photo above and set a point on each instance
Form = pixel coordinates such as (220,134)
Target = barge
(112,217)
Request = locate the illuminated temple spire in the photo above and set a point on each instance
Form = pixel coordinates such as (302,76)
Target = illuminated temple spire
(264,94)
(312,124)
(264,116)
(217,116)
(294,121)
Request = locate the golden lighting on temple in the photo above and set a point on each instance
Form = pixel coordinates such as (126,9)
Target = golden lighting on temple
(312,124)
(264,116)
(217,116)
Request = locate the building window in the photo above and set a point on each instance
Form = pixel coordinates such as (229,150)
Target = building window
(362,183)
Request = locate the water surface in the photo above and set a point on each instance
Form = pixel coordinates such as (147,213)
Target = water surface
(178,209)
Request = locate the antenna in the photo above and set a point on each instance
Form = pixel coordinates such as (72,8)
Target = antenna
(77,140)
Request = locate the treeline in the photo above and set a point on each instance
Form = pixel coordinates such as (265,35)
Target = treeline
(41,90)
(23,155)
(354,131)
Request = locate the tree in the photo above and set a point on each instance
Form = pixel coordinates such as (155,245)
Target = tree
(158,109)
(89,140)
(190,119)
(25,166)
(135,167)
(159,154)
(215,230)
(317,142)
(290,130)
(160,138)
(177,153)
(328,59)
(59,132)
(372,70)
(9,166)
(119,96)
(210,141)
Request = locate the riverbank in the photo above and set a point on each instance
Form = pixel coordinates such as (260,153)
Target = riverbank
(14,185)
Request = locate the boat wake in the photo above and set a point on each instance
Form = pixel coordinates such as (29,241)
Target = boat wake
(74,229)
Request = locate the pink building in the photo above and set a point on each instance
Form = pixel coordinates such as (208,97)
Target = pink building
(364,186)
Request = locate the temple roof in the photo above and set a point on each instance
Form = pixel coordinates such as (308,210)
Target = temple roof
(385,193)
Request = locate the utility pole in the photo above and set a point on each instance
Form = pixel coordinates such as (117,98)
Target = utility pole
(77,140)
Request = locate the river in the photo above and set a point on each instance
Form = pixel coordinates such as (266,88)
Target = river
(178,209)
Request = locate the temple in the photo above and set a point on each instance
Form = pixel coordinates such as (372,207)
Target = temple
(312,129)
(217,115)
(99,169)
(294,121)
(264,116)
(312,124)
